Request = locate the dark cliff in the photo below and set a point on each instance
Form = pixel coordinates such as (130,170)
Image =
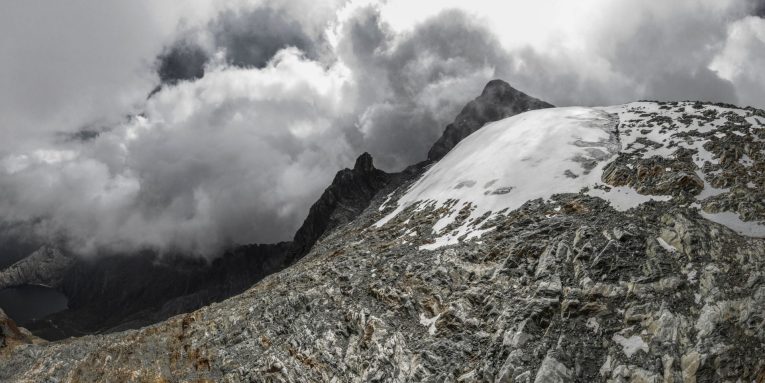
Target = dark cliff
(347,196)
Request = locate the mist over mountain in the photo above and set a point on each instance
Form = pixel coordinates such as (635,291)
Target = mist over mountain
(560,244)
(363,190)
(120,290)
(254,106)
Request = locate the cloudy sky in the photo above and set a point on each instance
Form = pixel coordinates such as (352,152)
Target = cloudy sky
(193,125)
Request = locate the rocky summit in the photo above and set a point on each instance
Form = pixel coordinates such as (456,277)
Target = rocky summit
(497,101)
(614,244)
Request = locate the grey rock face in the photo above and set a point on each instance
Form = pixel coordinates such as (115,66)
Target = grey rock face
(715,156)
(583,293)
(46,266)
(347,196)
(552,371)
(497,101)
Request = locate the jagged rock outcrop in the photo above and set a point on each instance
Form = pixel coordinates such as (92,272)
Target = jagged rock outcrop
(497,101)
(46,266)
(572,286)
(347,196)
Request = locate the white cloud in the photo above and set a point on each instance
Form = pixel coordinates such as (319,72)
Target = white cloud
(238,155)
(67,64)
(742,59)
(597,52)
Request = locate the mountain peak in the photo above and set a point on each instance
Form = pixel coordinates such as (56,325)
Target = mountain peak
(364,163)
(497,101)
(347,196)
(497,86)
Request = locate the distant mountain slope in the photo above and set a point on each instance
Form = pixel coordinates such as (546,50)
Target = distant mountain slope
(617,244)
(122,291)
(497,101)
(47,266)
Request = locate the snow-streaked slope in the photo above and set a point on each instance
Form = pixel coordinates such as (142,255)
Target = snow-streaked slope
(564,150)
(732,221)
(509,162)
(521,158)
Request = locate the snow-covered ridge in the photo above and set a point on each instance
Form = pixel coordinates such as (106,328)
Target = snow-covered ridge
(564,150)
(531,155)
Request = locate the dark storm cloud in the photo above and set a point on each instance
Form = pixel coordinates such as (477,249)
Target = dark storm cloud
(670,59)
(251,38)
(183,61)
(65,64)
(699,84)
(637,52)
(247,37)
(759,8)
(16,242)
(82,135)
(412,85)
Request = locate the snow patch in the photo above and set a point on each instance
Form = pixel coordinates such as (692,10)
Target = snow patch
(623,198)
(530,152)
(666,245)
(532,155)
(387,199)
(631,345)
(429,322)
(732,221)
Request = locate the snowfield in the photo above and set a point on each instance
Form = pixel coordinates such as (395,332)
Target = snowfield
(544,152)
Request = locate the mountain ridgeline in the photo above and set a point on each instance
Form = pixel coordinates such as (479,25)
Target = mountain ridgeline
(497,101)
(114,292)
(607,244)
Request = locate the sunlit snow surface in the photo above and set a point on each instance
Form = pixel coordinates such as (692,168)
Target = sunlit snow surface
(544,152)
(506,163)
(733,222)
(511,161)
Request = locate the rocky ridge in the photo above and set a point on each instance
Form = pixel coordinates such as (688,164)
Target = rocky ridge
(576,286)
(347,196)
(46,266)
